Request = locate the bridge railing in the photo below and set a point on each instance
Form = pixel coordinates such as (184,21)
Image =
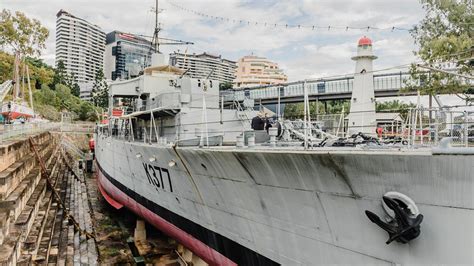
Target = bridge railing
(382,82)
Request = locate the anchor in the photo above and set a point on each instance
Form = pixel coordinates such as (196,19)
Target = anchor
(405,225)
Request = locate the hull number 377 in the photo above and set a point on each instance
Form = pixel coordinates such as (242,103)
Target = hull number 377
(158,177)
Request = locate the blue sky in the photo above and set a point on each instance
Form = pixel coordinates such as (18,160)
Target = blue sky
(302,53)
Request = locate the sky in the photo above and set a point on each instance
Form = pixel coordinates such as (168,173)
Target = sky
(302,53)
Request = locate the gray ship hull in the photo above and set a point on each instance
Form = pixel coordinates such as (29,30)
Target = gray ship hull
(277,206)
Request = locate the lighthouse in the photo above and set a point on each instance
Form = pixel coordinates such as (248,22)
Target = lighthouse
(362,114)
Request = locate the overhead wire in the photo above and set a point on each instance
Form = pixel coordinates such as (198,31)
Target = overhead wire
(244,22)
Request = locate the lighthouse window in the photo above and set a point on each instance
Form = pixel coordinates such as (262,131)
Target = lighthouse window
(199,83)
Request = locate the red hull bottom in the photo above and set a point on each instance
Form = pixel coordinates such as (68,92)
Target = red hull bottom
(117,199)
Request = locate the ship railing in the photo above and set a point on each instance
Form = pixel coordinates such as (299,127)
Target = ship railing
(11,131)
(428,126)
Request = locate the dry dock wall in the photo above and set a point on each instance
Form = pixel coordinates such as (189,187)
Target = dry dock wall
(35,226)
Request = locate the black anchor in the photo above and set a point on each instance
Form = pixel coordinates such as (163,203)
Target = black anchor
(404,227)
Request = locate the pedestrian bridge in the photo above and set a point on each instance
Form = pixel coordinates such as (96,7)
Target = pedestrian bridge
(385,85)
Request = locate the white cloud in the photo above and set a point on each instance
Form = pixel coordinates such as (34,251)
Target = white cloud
(303,53)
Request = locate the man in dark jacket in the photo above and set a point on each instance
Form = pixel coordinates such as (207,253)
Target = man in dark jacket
(258,123)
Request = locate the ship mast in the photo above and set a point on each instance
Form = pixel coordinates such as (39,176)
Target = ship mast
(156,43)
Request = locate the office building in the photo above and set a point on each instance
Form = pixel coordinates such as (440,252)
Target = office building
(255,71)
(126,55)
(80,45)
(201,65)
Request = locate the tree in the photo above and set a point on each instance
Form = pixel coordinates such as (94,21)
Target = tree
(71,82)
(60,75)
(394,106)
(445,35)
(100,90)
(6,66)
(225,86)
(87,112)
(296,110)
(40,73)
(23,35)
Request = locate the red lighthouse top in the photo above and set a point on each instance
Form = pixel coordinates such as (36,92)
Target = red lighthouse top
(365,41)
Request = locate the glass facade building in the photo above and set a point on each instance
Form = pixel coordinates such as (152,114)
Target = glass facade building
(126,55)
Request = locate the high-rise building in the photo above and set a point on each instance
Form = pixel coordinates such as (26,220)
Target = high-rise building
(201,65)
(80,45)
(126,55)
(257,71)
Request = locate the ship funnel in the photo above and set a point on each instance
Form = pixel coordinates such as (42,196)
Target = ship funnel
(158,59)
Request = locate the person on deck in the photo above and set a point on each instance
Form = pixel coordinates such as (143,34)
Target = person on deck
(258,123)
(380,132)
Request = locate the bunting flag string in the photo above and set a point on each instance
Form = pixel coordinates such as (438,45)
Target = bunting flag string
(244,22)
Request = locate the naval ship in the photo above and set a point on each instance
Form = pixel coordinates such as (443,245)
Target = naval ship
(236,195)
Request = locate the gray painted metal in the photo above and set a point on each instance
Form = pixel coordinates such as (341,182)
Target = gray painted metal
(307,207)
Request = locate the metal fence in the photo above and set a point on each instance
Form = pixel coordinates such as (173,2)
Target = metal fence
(9,131)
(77,128)
(428,126)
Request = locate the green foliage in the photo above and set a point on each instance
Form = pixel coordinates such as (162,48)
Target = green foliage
(6,66)
(225,86)
(23,35)
(394,106)
(50,102)
(87,111)
(60,75)
(333,107)
(446,34)
(72,83)
(40,73)
(27,37)
(100,90)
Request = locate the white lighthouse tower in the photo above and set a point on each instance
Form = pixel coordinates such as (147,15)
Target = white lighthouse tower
(362,116)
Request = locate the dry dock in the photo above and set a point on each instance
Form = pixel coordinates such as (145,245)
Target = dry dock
(51,212)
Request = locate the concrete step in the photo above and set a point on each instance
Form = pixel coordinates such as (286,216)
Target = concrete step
(11,177)
(12,151)
(34,228)
(20,204)
(17,200)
